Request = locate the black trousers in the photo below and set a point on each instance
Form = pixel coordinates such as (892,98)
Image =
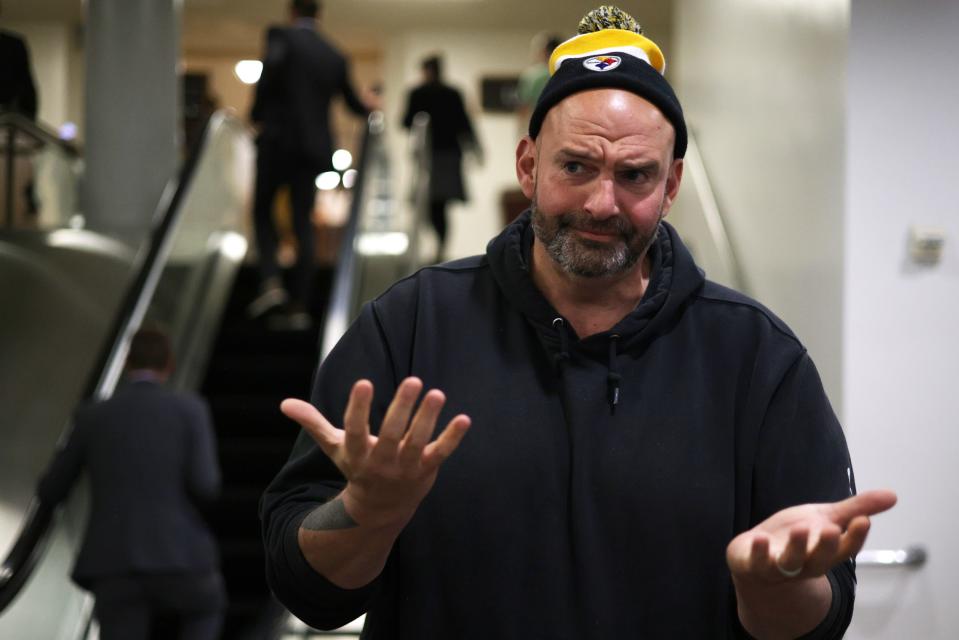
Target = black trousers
(440,225)
(276,167)
(187,606)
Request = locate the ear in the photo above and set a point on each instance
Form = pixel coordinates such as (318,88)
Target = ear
(526,166)
(672,184)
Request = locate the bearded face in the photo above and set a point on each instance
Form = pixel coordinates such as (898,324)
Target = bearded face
(621,247)
(601,176)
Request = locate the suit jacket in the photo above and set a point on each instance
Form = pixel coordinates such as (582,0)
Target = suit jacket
(302,73)
(17,92)
(151,460)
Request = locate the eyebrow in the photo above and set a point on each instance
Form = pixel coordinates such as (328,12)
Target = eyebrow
(572,154)
(648,166)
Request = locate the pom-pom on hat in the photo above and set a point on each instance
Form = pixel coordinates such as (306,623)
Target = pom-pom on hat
(610,52)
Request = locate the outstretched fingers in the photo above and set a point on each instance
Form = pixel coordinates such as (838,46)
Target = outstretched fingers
(356,419)
(421,429)
(313,422)
(867,503)
(852,541)
(793,556)
(824,551)
(440,449)
(759,559)
(397,419)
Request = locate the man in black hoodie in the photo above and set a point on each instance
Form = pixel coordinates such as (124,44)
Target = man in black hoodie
(651,455)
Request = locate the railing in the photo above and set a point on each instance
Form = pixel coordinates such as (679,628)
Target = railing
(27,549)
(422,155)
(912,557)
(343,296)
(188,259)
(23,138)
(699,219)
(380,243)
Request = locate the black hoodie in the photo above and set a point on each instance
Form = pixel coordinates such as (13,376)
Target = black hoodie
(602,478)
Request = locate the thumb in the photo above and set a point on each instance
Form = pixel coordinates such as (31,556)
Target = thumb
(313,422)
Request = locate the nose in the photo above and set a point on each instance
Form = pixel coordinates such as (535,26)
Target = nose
(601,203)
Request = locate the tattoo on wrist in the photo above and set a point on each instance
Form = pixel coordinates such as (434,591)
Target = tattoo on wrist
(330,516)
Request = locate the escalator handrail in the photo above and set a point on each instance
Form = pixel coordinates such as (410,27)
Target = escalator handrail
(149,268)
(25,552)
(716,223)
(31,539)
(37,132)
(339,311)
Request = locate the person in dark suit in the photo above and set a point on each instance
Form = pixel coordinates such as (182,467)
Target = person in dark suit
(302,73)
(17,91)
(147,555)
(451,132)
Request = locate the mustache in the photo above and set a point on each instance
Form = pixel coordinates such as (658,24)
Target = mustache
(584,222)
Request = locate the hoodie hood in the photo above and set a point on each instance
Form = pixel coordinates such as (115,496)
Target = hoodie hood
(674,278)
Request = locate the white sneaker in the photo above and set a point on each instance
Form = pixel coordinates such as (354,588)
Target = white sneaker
(290,321)
(271,297)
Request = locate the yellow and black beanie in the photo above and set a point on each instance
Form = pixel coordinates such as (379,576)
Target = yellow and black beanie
(610,52)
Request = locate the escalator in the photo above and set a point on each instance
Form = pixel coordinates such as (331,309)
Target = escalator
(78,297)
(72,298)
(251,370)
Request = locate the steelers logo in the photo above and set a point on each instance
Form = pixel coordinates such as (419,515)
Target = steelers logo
(602,63)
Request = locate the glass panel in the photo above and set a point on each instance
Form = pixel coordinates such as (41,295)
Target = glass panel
(386,245)
(39,177)
(63,291)
(211,233)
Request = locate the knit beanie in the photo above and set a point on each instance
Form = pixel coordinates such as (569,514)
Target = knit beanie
(610,52)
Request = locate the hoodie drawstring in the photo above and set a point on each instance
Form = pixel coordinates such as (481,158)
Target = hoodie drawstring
(560,325)
(612,377)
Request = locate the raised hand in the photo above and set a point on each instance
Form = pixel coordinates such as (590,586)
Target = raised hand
(387,475)
(805,541)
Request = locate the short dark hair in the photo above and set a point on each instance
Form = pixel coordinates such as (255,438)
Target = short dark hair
(434,65)
(305,8)
(150,349)
(551,43)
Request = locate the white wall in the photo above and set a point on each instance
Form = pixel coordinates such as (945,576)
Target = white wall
(900,345)
(762,84)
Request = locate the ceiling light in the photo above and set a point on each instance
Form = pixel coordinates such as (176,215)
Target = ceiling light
(248,71)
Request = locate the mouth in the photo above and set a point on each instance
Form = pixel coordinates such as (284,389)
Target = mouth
(597,235)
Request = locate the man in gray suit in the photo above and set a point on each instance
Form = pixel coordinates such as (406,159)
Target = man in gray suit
(150,456)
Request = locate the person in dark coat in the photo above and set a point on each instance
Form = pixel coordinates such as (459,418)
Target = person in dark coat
(450,133)
(302,73)
(150,456)
(17,91)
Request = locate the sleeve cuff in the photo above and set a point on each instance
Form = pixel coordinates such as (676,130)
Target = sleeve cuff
(306,576)
(832,626)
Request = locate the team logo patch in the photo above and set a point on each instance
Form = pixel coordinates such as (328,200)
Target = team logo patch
(602,63)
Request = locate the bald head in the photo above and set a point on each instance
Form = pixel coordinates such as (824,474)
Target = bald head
(611,114)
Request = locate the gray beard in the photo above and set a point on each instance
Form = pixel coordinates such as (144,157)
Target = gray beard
(583,257)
